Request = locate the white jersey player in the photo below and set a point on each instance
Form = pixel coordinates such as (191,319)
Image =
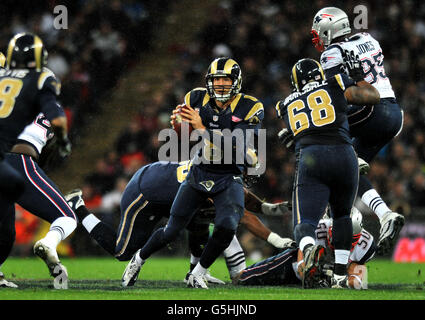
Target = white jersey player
(287,267)
(371,56)
(37,133)
(362,250)
(41,196)
(372,126)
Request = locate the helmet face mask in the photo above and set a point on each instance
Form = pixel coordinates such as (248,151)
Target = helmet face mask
(222,68)
(328,24)
(27,51)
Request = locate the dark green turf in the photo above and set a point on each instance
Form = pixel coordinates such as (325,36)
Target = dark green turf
(161,279)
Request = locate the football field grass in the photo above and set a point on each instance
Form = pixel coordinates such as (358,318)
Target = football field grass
(161,279)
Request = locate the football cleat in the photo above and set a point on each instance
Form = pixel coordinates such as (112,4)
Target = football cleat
(211,279)
(131,272)
(51,259)
(391,225)
(75,199)
(208,277)
(339,282)
(198,282)
(313,263)
(6,284)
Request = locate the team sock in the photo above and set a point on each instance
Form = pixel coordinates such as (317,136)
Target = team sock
(374,201)
(234,257)
(60,229)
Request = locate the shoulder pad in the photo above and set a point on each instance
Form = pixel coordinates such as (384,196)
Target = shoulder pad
(48,80)
(332,57)
(291,97)
(197,97)
(248,108)
(254,111)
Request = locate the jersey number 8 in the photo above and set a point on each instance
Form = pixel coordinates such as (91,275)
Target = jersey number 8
(9,90)
(322,112)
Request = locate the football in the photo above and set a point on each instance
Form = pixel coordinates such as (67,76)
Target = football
(357,278)
(181,126)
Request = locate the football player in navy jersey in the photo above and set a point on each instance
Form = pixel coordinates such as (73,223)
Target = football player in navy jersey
(148,198)
(210,110)
(25,91)
(371,126)
(326,163)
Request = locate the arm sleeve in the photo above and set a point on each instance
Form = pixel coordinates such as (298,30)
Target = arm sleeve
(342,81)
(49,88)
(49,105)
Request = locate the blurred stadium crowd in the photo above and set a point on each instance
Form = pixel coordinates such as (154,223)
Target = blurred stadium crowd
(266,37)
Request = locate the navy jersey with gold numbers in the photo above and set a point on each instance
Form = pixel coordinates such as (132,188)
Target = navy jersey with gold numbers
(244,112)
(24,93)
(318,114)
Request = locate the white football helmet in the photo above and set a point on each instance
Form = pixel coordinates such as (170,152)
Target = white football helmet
(357,220)
(329,23)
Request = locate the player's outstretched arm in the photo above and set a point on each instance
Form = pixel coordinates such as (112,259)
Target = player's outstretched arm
(254,204)
(362,93)
(257,228)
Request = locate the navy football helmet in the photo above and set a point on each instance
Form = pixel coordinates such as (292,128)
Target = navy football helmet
(224,67)
(305,71)
(27,51)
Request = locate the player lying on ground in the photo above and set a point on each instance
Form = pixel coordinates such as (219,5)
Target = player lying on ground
(285,268)
(148,198)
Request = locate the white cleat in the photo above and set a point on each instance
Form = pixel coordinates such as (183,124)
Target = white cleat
(131,272)
(211,279)
(198,282)
(51,259)
(339,282)
(208,277)
(75,199)
(391,225)
(6,284)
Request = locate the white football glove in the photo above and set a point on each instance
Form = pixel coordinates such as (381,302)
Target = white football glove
(279,242)
(363,166)
(286,137)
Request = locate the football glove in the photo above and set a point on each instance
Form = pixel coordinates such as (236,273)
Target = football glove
(54,153)
(286,137)
(363,166)
(354,65)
